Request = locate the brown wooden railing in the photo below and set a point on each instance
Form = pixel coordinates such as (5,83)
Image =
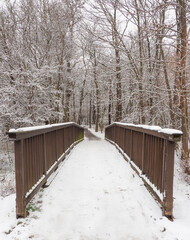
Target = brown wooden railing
(38,152)
(151,154)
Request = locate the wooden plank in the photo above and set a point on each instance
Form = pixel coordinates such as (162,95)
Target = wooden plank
(170,137)
(26,134)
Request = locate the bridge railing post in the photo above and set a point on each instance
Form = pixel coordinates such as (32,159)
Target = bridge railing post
(20,179)
(168,179)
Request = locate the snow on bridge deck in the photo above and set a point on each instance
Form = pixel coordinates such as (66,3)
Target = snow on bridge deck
(94,196)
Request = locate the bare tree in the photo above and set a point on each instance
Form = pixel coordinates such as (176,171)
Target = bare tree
(181,10)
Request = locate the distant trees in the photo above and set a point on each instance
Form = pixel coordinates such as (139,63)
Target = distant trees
(38,61)
(95,62)
(150,68)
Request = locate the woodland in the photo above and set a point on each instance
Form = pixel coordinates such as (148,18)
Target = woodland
(95,62)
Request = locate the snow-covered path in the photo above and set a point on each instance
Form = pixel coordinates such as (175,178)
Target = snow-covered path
(94,196)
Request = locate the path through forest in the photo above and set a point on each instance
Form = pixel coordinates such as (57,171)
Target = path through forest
(95,195)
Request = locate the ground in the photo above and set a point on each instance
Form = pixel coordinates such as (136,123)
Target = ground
(95,195)
(7,175)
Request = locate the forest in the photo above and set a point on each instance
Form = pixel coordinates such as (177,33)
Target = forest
(95,62)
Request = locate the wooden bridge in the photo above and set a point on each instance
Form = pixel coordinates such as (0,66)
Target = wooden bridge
(40,150)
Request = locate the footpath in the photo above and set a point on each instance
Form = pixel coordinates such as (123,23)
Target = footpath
(94,195)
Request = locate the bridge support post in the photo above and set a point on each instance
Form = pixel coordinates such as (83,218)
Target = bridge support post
(168,179)
(20,180)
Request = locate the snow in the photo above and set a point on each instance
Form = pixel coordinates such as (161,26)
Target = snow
(42,178)
(143,176)
(7,174)
(149,127)
(169,131)
(97,134)
(96,195)
(26,129)
(35,185)
(7,216)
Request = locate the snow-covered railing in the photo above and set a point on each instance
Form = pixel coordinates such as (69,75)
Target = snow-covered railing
(150,151)
(38,152)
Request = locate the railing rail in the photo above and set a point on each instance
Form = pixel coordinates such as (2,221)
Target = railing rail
(38,152)
(150,151)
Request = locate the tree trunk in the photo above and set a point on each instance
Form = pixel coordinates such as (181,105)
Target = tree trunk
(110,102)
(170,100)
(176,99)
(140,78)
(68,93)
(118,87)
(118,116)
(90,112)
(82,90)
(81,99)
(168,88)
(97,93)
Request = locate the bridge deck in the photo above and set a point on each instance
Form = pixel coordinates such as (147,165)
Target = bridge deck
(95,196)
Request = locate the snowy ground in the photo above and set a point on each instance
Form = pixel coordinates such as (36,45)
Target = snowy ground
(95,195)
(7,174)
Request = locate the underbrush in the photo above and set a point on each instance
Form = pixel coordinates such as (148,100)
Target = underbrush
(7,172)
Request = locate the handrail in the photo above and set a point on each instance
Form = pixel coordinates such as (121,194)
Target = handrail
(38,152)
(150,151)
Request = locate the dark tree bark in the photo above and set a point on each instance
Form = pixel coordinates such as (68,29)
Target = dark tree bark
(182,7)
